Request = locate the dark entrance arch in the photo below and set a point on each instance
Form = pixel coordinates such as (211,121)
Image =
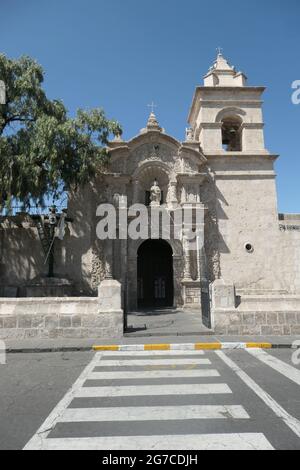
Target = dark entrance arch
(155,275)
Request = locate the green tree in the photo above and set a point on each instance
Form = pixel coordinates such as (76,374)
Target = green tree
(43,152)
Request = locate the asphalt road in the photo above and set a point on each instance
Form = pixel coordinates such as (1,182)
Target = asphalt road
(188,400)
(30,387)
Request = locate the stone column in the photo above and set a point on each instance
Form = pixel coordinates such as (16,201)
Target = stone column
(136,190)
(199,270)
(187,259)
(200,256)
(183,195)
(109,260)
(109,293)
(172,195)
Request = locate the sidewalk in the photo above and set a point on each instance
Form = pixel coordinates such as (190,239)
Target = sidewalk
(165,322)
(65,345)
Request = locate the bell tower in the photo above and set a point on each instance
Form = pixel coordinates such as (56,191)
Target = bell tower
(226,118)
(226,114)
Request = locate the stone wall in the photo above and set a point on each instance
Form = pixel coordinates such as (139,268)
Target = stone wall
(246,205)
(253,314)
(58,318)
(289,226)
(238,322)
(21,254)
(78,257)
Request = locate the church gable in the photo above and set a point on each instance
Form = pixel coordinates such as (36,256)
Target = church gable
(154,151)
(153,145)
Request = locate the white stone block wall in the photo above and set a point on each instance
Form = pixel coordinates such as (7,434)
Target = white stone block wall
(289,263)
(260,315)
(247,214)
(50,318)
(258,323)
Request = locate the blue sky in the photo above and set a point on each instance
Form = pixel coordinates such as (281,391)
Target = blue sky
(122,54)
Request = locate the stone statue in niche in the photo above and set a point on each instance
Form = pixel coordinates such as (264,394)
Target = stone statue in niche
(155,194)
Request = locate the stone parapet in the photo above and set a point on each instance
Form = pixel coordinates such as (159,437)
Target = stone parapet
(268,314)
(58,318)
(283,303)
(257,323)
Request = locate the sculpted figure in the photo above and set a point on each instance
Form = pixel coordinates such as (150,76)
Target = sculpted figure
(155,194)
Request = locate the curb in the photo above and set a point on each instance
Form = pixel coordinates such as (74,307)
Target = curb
(188,347)
(47,350)
(155,347)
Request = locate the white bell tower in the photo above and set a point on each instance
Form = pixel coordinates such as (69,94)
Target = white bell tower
(226,114)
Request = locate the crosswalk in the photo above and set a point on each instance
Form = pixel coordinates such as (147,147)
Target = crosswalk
(148,400)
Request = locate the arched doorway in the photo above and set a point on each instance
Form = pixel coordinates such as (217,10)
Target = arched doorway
(155,275)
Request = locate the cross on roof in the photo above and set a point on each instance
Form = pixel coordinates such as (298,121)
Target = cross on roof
(219,50)
(152,106)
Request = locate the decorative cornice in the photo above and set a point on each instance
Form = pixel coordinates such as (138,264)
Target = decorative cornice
(231,102)
(252,125)
(260,174)
(192,177)
(240,155)
(243,89)
(210,125)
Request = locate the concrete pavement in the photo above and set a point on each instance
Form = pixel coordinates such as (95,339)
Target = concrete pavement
(30,387)
(166,322)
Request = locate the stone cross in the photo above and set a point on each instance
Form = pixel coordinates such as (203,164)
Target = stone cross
(152,106)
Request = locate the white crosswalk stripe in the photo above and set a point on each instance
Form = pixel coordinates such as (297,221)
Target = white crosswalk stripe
(156,362)
(152,413)
(154,374)
(283,368)
(152,390)
(199,442)
(101,381)
(172,353)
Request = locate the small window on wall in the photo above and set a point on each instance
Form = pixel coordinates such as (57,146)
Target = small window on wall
(232,134)
(249,248)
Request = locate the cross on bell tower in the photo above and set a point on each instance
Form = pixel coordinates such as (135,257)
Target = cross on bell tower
(152,106)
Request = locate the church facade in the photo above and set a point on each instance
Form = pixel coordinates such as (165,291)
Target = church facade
(244,276)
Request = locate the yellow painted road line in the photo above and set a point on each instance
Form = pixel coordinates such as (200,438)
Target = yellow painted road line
(196,347)
(157,347)
(208,346)
(259,345)
(106,348)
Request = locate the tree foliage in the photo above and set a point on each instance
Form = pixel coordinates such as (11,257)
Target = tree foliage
(42,151)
